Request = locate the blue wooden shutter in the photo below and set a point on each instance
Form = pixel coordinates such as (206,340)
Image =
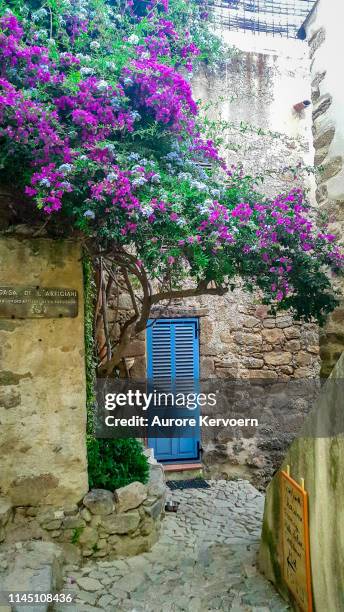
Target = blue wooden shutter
(172,346)
(173,363)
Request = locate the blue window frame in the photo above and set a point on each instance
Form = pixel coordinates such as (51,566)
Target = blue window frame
(173,360)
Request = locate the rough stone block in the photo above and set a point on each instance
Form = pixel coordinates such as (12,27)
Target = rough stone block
(324,137)
(88,537)
(99,501)
(278,358)
(130,497)
(316,40)
(156,509)
(273,336)
(293,346)
(207,331)
(156,486)
(251,321)
(331,168)
(291,333)
(125,522)
(86,515)
(73,522)
(248,339)
(52,525)
(322,106)
(304,359)
(207,367)
(156,491)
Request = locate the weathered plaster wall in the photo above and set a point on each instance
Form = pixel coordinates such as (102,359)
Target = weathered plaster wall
(42,382)
(325,37)
(260,89)
(319,459)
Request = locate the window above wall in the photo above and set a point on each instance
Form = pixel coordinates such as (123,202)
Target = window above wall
(282,18)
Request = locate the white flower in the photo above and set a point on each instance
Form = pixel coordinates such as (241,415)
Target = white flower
(82,57)
(94,44)
(85,70)
(184,176)
(147,210)
(89,214)
(133,156)
(198,185)
(133,39)
(138,182)
(155,179)
(41,33)
(102,85)
(204,207)
(65,168)
(112,176)
(135,115)
(215,192)
(40,14)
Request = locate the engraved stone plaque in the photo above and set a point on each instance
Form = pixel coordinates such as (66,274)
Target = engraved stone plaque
(21,302)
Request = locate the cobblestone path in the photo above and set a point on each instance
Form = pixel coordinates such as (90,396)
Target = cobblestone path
(204,561)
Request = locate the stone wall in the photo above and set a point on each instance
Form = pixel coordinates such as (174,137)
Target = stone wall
(318,457)
(109,524)
(42,381)
(324,33)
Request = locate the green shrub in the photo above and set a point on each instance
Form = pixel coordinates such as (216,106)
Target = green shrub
(115,463)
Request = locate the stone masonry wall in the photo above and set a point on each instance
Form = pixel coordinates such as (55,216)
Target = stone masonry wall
(42,381)
(324,34)
(109,524)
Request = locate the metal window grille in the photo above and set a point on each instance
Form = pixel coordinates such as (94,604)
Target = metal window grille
(282,18)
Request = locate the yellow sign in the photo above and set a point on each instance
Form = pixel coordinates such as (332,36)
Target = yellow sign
(296,555)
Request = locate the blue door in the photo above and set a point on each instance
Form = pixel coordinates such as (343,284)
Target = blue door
(173,361)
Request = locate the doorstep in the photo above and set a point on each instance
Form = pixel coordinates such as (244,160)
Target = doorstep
(182,471)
